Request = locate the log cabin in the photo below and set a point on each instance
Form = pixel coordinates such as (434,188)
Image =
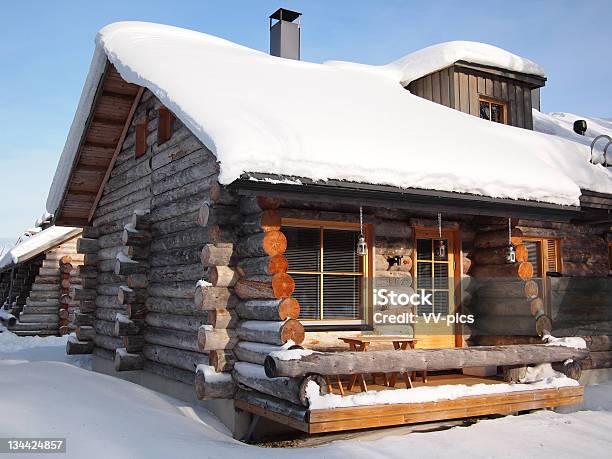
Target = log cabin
(242,212)
(36,276)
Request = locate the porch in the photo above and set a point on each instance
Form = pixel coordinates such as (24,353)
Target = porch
(314,421)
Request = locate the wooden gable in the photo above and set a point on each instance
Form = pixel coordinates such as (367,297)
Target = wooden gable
(112,110)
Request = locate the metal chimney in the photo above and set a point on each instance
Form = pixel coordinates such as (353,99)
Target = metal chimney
(285,34)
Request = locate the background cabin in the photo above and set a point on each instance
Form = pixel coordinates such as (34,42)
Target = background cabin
(491,93)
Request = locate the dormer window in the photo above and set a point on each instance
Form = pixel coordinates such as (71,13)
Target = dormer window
(493,110)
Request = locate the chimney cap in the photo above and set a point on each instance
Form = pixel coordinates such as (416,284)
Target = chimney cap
(283,14)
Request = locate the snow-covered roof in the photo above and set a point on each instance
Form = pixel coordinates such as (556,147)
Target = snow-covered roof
(38,243)
(436,57)
(562,125)
(260,113)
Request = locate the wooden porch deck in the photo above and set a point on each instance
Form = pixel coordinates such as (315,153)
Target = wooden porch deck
(364,417)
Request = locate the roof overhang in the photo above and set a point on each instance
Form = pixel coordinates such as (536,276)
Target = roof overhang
(533,81)
(107,124)
(390,197)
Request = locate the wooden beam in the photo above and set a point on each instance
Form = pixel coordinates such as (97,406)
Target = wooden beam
(126,127)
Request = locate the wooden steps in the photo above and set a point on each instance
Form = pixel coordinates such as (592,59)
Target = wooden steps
(363,417)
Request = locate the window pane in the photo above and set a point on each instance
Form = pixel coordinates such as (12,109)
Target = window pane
(484,110)
(534,256)
(424,279)
(441,303)
(340,251)
(303,248)
(441,275)
(497,113)
(424,249)
(307,292)
(425,308)
(341,297)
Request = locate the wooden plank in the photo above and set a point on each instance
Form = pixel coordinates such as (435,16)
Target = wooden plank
(497,93)
(268,414)
(473,92)
(463,402)
(512,104)
(435,88)
(520,107)
(445,88)
(481,84)
(455,93)
(527,106)
(504,90)
(427,90)
(464,93)
(452,413)
(488,86)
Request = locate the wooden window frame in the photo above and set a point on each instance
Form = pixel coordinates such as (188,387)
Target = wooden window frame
(366,269)
(544,250)
(164,126)
(141,138)
(493,100)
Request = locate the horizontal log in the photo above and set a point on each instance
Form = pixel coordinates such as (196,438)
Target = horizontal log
(270,310)
(127,295)
(507,306)
(212,339)
(346,363)
(499,238)
(87,245)
(599,343)
(177,273)
(256,205)
(497,255)
(247,351)
(210,384)
(140,220)
(107,301)
(131,237)
(174,322)
(569,368)
(279,285)
(211,214)
(263,244)
(125,326)
(125,361)
(76,347)
(521,270)
(512,325)
(268,220)
(172,338)
(109,343)
(222,276)
(178,358)
(266,266)
(216,254)
(207,297)
(493,288)
(172,289)
(125,266)
(597,360)
(272,404)
(137,281)
(272,332)
(177,306)
(133,343)
(175,257)
(85,333)
(253,376)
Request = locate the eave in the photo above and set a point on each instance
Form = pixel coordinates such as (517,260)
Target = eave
(107,124)
(390,197)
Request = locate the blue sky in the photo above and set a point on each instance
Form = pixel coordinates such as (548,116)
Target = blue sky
(46,47)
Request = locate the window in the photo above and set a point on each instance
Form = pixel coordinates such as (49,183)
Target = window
(433,275)
(493,110)
(164,127)
(544,254)
(141,138)
(327,271)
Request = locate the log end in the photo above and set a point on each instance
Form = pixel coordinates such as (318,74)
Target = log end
(292,330)
(289,309)
(270,367)
(283,285)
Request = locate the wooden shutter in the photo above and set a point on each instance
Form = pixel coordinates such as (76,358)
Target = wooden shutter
(141,138)
(552,256)
(164,128)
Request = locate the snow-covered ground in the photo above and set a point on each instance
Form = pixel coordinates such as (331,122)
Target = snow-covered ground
(45,393)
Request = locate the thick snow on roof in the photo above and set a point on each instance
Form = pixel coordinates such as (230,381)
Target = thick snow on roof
(29,248)
(436,57)
(259,113)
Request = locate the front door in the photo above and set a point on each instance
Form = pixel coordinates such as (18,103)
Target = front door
(434,273)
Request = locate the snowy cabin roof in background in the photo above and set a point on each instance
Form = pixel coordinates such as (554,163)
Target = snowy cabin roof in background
(328,121)
(37,244)
(436,57)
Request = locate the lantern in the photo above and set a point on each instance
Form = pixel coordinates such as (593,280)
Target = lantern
(362,247)
(441,248)
(510,254)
